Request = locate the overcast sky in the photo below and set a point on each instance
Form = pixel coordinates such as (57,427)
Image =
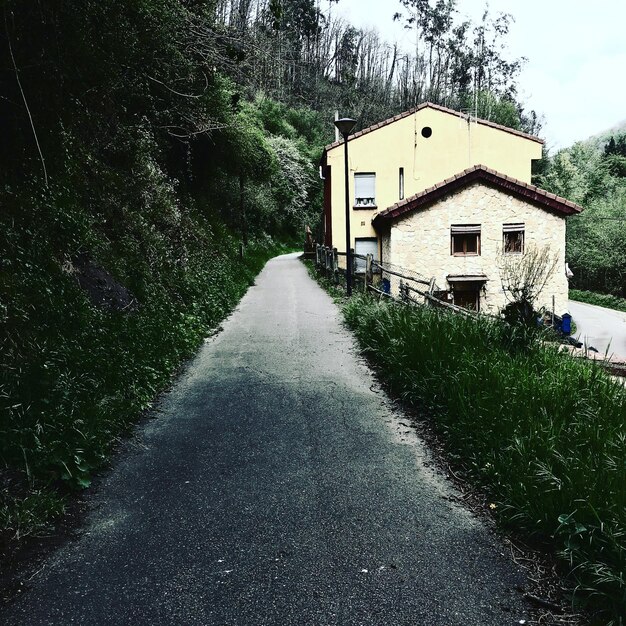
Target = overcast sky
(576,70)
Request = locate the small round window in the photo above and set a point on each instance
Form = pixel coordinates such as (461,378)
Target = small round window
(427,131)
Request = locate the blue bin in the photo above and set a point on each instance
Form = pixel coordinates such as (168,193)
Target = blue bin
(566,324)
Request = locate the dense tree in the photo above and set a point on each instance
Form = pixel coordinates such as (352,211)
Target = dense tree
(298,53)
(593,176)
(616,146)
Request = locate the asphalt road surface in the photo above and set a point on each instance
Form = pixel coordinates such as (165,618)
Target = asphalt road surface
(277,485)
(604,329)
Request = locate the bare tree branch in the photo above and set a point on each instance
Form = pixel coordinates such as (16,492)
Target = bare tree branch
(178,93)
(19,83)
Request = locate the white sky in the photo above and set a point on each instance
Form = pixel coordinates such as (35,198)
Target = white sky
(575,75)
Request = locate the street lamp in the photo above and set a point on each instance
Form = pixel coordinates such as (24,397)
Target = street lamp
(344,126)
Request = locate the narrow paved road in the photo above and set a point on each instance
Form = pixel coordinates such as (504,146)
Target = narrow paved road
(604,329)
(277,485)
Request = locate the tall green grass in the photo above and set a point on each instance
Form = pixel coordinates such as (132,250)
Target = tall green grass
(74,376)
(543,434)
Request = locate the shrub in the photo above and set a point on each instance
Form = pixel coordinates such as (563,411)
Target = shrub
(599,299)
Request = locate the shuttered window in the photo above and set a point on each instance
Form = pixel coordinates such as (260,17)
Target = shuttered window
(364,246)
(365,190)
(465,239)
(513,238)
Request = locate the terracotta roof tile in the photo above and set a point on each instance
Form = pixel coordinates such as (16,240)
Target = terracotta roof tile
(478,173)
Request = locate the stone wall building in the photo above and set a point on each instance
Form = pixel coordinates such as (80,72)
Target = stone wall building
(462,231)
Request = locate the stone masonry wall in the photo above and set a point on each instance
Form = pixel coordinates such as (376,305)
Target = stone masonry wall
(421,241)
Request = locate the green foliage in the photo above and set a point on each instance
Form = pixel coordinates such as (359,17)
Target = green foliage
(75,375)
(261,169)
(615,165)
(157,167)
(599,299)
(596,247)
(570,172)
(294,177)
(273,117)
(616,147)
(22,516)
(487,105)
(542,433)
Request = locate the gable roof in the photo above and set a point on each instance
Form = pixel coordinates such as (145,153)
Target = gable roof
(478,173)
(435,107)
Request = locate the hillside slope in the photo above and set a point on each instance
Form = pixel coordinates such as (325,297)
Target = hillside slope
(601,139)
(132,171)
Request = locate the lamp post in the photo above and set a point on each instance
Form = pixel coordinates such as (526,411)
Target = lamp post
(344,126)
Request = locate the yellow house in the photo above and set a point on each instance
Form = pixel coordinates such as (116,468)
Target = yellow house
(443,194)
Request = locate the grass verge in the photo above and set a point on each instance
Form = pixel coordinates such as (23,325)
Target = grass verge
(75,375)
(600,299)
(542,434)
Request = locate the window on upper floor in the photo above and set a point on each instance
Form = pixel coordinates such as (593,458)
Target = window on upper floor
(465,239)
(401,183)
(365,191)
(513,238)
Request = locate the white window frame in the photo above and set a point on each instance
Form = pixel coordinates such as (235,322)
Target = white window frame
(365,190)
(360,263)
